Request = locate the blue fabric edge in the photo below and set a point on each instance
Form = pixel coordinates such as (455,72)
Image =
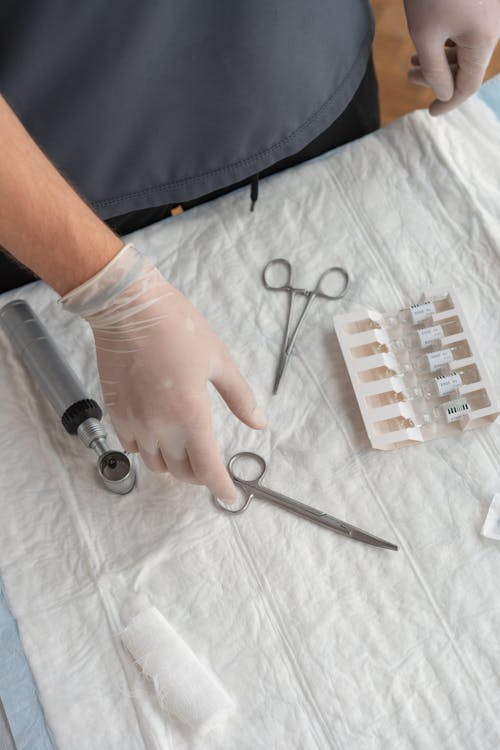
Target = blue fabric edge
(489,93)
(17,687)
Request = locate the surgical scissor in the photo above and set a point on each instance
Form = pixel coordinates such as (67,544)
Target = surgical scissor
(254,488)
(310,294)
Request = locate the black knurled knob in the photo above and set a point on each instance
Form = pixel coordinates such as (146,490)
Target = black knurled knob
(79,412)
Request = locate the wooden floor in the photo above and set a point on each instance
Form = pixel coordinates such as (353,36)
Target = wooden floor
(392,51)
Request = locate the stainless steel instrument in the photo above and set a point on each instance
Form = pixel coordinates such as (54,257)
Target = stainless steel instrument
(319,292)
(252,488)
(78,413)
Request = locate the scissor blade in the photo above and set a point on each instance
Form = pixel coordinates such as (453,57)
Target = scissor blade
(353,532)
(363,536)
(322,518)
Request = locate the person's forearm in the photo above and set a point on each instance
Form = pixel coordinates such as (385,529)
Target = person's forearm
(43,222)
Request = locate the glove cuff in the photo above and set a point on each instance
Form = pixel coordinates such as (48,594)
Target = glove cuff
(97,292)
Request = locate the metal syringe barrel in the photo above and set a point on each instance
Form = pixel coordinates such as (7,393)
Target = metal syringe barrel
(37,350)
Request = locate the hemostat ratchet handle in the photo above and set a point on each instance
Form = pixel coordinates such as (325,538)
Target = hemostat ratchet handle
(37,350)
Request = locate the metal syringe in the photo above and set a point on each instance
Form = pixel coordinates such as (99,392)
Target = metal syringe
(79,414)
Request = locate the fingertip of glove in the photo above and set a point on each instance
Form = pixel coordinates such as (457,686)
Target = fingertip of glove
(258,418)
(443,96)
(227,500)
(437,108)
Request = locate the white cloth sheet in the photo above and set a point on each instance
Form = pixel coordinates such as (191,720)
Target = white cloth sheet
(324,643)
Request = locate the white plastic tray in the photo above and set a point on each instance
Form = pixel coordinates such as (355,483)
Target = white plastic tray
(393,425)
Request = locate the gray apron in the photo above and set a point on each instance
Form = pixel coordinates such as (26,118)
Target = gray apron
(141,104)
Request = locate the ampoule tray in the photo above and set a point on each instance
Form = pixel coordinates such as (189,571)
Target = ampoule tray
(392,417)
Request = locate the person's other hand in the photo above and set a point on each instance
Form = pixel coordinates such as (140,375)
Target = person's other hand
(454,41)
(156,355)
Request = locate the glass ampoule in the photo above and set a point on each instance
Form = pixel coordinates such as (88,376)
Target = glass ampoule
(421,338)
(468,374)
(458,408)
(446,383)
(437,359)
(440,414)
(425,337)
(413,315)
(409,393)
(429,388)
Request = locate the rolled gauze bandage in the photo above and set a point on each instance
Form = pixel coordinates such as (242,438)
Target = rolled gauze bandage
(183,686)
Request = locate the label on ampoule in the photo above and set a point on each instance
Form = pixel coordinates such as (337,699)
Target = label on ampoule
(457,409)
(428,335)
(439,358)
(421,312)
(447,383)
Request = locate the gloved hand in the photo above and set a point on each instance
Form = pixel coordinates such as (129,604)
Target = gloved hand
(454,40)
(156,355)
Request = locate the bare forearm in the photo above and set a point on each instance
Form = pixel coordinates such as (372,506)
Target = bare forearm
(43,222)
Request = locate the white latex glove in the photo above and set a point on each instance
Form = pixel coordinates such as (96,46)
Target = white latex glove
(156,355)
(454,40)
